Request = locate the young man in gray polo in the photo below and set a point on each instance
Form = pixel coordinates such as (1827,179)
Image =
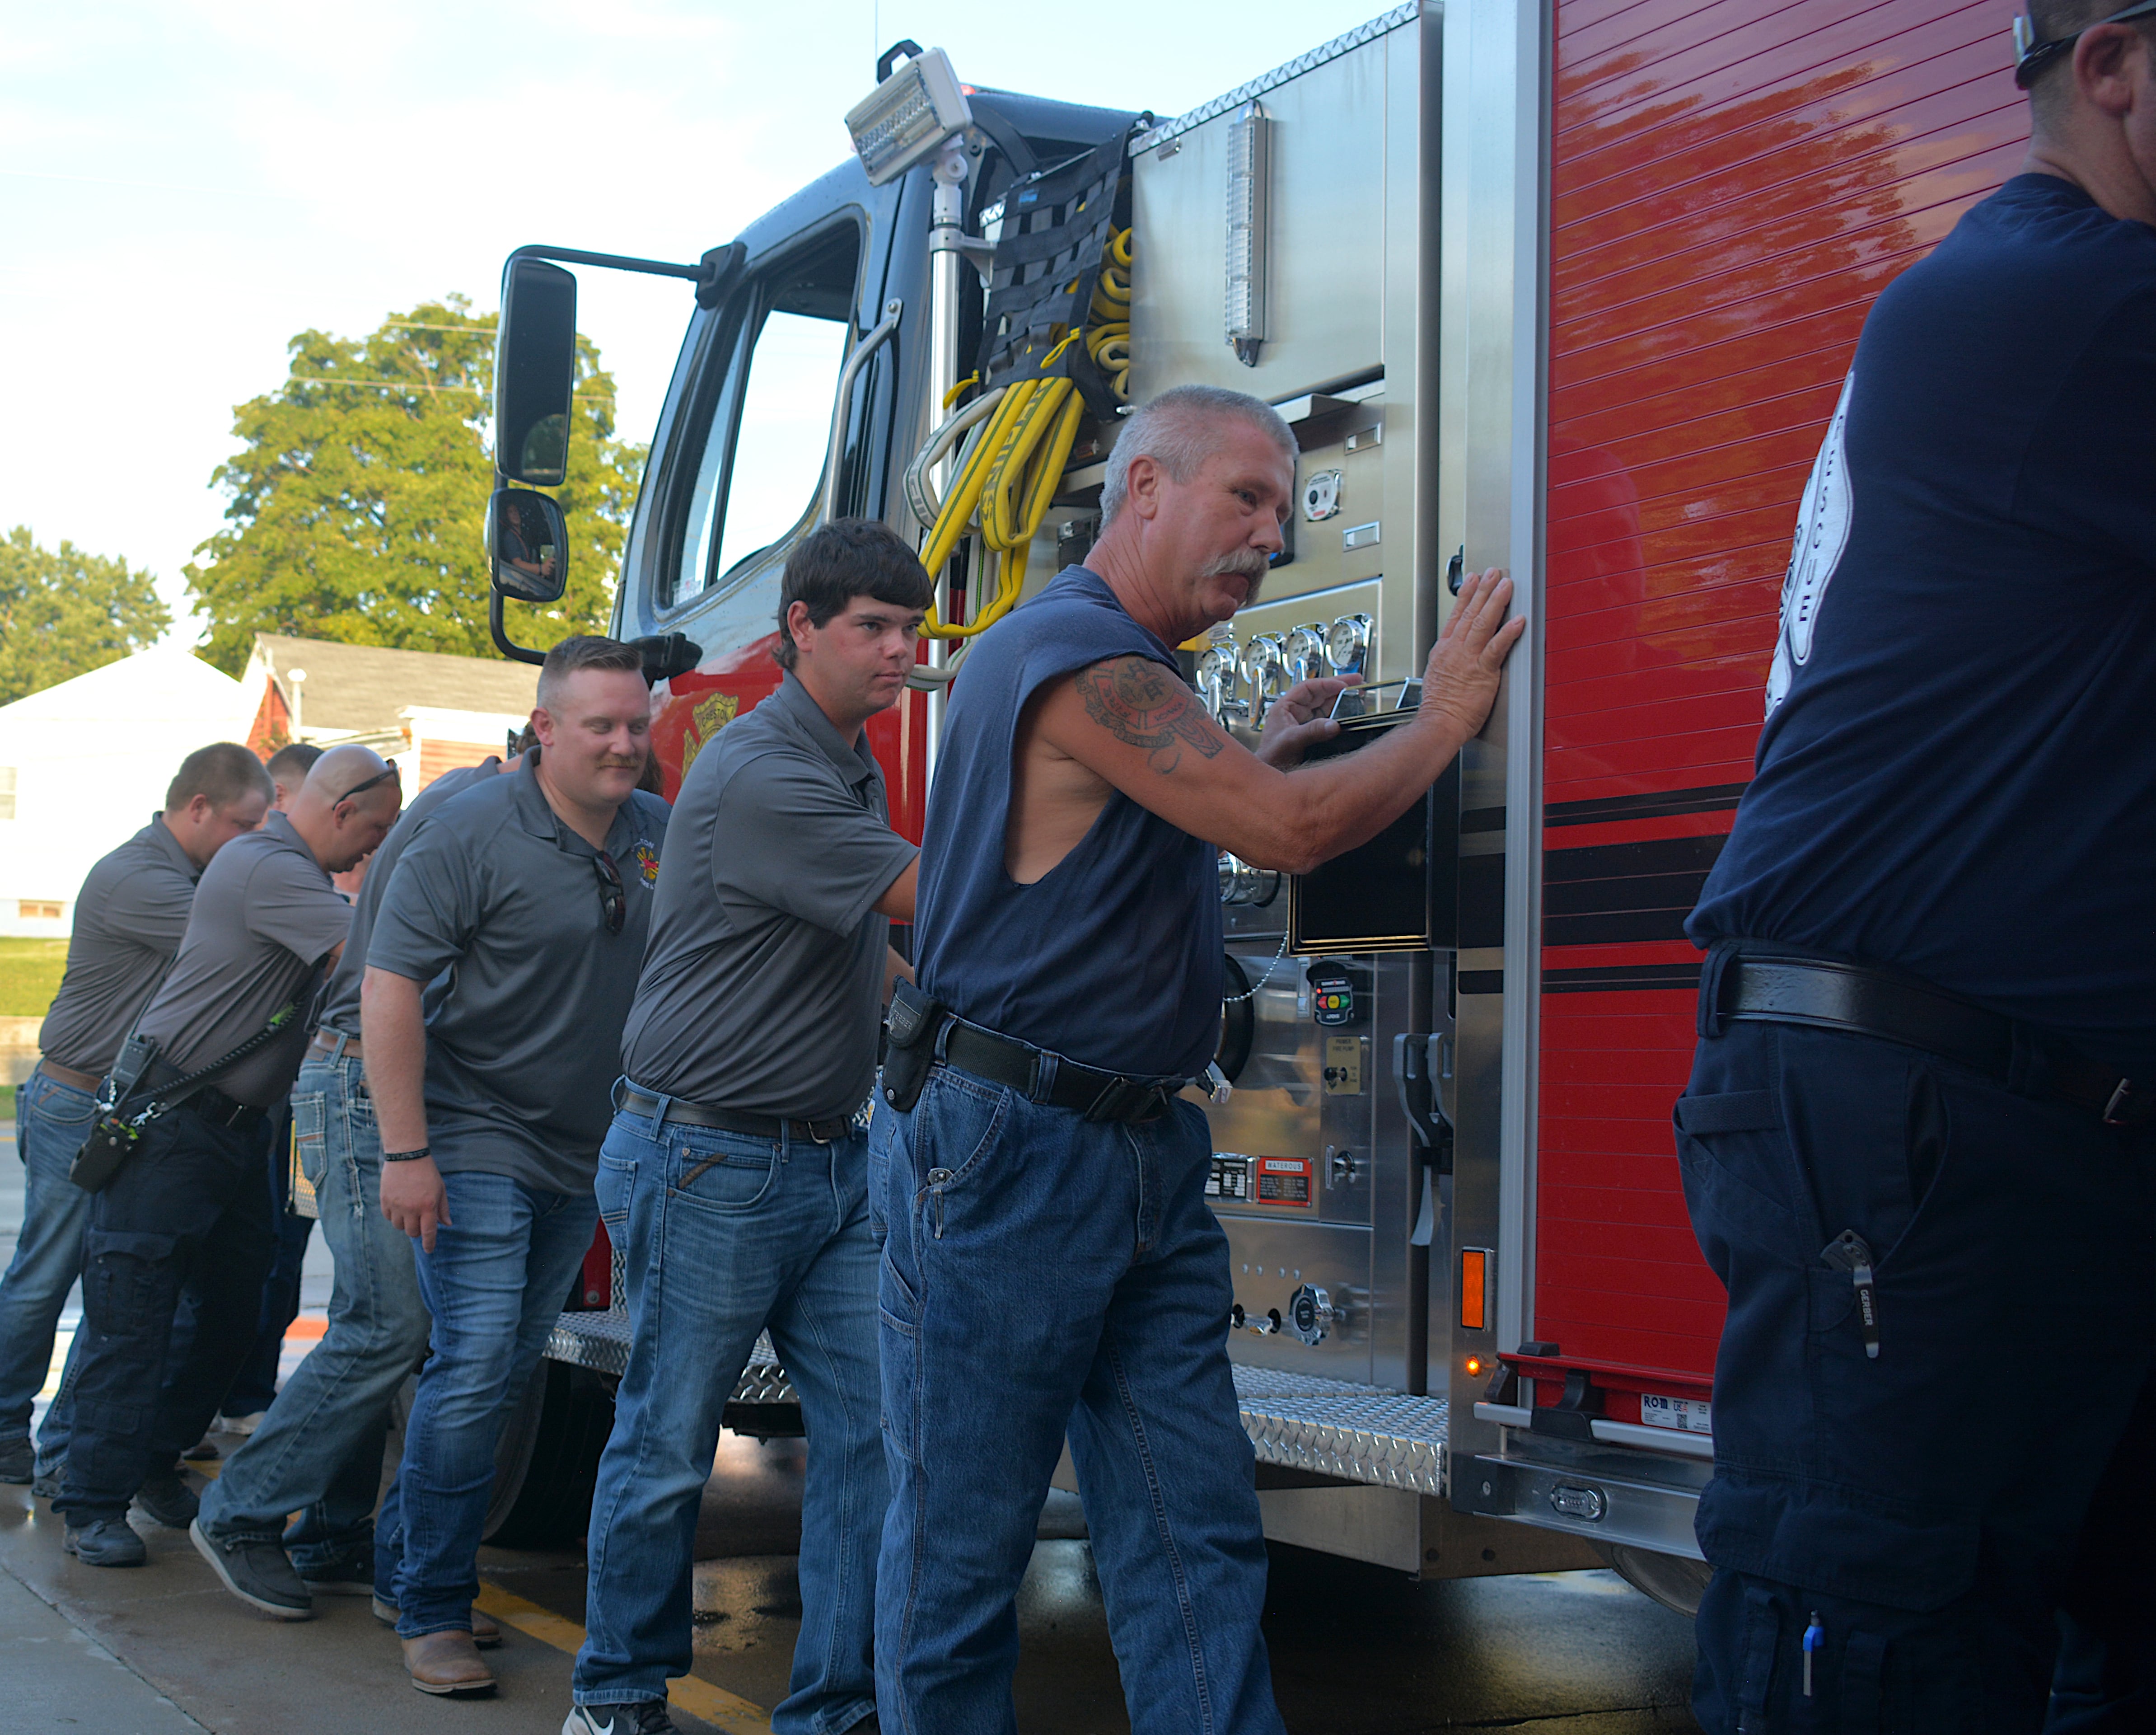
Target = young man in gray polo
(318,1451)
(129,919)
(735,1176)
(190,1206)
(502,963)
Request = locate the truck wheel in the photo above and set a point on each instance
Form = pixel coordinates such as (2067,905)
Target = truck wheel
(1675,1581)
(546,1461)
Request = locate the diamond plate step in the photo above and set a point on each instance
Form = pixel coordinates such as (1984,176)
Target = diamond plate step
(1332,1427)
(1360,1433)
(600,1343)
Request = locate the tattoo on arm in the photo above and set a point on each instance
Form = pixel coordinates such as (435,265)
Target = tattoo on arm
(1140,702)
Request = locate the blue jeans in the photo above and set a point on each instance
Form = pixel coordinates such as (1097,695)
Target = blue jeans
(722,1234)
(188,1208)
(319,1451)
(495,1285)
(1043,1273)
(51,1121)
(1943,1552)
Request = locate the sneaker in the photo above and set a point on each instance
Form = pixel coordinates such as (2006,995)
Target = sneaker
(485,1630)
(105,1543)
(18,1459)
(646,1716)
(256,1570)
(242,1425)
(349,1575)
(165,1496)
(48,1485)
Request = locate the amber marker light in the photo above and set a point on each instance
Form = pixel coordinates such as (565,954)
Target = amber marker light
(1473,1366)
(1474,1307)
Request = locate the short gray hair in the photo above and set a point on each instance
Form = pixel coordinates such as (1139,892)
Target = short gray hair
(1179,430)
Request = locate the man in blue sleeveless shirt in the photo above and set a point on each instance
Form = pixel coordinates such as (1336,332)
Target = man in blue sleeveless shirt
(1051,1264)
(1919,1143)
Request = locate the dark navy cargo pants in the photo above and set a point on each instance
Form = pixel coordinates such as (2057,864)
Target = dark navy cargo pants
(189,1209)
(1940,1513)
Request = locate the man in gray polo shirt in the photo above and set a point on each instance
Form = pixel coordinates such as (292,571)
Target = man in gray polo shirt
(318,1451)
(501,966)
(129,918)
(734,1178)
(190,1206)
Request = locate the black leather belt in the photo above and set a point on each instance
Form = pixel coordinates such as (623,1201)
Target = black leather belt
(217,1109)
(727,1121)
(1830,995)
(1048,1078)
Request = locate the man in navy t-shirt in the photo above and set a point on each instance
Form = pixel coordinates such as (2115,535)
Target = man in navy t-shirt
(1919,1143)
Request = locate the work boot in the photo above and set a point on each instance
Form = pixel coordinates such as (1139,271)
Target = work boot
(486,1632)
(446,1662)
(105,1543)
(350,1574)
(255,1569)
(646,1716)
(18,1459)
(165,1496)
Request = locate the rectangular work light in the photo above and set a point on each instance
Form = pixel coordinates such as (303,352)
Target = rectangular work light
(908,116)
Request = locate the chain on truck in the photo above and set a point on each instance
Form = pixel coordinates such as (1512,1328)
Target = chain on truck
(1566,289)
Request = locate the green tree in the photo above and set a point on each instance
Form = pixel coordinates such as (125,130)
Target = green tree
(64,613)
(359,497)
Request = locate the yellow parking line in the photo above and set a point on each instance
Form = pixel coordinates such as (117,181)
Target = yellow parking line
(699,1697)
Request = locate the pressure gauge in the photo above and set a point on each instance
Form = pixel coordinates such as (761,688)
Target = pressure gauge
(1306,659)
(1216,675)
(1348,644)
(1264,668)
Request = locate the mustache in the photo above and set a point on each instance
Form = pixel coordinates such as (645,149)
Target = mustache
(1250,563)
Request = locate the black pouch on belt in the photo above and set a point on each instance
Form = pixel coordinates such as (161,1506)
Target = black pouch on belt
(113,1131)
(914,1020)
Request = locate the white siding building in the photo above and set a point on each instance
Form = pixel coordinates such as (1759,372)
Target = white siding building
(83,764)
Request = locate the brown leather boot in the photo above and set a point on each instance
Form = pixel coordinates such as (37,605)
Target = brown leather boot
(446,1662)
(486,1632)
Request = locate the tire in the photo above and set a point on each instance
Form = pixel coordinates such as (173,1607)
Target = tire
(546,1461)
(1675,1581)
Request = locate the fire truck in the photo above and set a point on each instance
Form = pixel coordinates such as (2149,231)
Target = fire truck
(1564,286)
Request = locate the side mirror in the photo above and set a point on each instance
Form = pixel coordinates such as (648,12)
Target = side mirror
(666,655)
(535,372)
(528,544)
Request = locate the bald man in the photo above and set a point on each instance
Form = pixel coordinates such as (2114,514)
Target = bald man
(188,1207)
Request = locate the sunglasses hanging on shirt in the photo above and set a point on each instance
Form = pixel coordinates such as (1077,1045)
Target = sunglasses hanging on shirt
(613,896)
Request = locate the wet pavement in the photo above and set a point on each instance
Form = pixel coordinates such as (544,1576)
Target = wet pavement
(1356,1650)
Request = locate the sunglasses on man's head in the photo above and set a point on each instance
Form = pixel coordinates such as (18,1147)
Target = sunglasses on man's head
(360,789)
(613,896)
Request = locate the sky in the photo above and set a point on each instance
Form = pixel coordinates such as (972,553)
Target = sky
(187,184)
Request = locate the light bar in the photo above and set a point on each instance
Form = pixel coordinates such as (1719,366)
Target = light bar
(908,116)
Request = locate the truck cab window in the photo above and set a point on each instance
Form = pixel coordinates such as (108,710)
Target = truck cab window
(771,417)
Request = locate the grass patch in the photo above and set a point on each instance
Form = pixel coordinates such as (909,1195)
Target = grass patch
(30,976)
(7,1102)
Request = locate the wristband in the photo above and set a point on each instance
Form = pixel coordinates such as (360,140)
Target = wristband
(406,1156)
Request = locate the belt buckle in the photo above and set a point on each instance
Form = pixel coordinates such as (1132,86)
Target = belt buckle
(2120,1096)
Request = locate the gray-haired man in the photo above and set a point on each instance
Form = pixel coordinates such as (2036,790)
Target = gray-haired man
(1051,1264)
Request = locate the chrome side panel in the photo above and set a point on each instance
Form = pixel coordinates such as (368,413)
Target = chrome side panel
(1326,240)
(1491,325)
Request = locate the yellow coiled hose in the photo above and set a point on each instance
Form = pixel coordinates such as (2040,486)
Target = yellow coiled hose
(1011,467)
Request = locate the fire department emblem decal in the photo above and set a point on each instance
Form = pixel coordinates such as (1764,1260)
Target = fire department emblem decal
(1822,534)
(647,862)
(713,713)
